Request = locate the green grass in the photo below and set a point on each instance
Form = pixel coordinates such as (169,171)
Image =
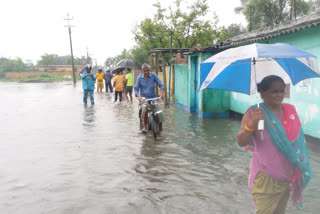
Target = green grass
(41,78)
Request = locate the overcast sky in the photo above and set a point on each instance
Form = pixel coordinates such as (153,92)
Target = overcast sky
(31,28)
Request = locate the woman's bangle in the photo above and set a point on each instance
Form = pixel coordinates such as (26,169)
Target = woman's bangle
(249,129)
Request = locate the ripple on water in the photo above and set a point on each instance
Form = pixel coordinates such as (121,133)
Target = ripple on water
(59,156)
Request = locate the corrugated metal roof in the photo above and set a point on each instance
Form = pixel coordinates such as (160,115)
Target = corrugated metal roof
(275,31)
(167,50)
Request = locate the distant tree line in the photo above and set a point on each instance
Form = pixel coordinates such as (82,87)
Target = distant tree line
(18,65)
(54,59)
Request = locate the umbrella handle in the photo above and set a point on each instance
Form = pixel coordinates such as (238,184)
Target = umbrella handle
(261,128)
(261,125)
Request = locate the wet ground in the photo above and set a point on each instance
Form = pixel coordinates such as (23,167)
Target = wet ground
(59,156)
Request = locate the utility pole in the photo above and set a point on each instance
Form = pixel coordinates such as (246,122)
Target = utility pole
(170,64)
(69,19)
(88,57)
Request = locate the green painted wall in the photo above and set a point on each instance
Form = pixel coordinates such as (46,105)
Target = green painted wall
(211,100)
(211,103)
(182,87)
(191,82)
(305,95)
(214,101)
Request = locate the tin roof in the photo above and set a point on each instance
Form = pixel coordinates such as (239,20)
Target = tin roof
(275,31)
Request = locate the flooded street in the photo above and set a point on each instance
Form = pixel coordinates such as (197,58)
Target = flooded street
(59,156)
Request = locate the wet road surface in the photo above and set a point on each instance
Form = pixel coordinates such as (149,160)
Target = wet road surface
(59,156)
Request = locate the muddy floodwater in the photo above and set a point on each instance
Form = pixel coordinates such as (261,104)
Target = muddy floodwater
(59,156)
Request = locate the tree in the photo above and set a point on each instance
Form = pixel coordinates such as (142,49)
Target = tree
(265,13)
(235,29)
(79,60)
(314,5)
(139,54)
(111,62)
(54,59)
(11,65)
(188,28)
(29,65)
(47,59)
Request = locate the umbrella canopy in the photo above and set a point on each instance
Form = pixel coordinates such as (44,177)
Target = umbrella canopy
(117,69)
(239,69)
(127,63)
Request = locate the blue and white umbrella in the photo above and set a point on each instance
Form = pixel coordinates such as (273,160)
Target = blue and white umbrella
(240,69)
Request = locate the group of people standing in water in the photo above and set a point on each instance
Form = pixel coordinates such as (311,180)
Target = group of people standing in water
(122,83)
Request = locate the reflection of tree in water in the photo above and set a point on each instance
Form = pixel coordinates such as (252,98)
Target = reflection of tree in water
(89,117)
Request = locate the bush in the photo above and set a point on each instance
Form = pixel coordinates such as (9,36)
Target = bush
(44,75)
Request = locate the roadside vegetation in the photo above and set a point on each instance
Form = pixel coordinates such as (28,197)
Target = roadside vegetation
(43,77)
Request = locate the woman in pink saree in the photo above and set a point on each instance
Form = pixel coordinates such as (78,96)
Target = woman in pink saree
(280,162)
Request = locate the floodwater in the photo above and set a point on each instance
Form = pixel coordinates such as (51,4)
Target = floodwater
(58,156)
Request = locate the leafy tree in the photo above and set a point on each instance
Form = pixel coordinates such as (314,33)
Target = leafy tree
(264,13)
(235,29)
(11,65)
(139,54)
(188,29)
(314,5)
(110,62)
(80,60)
(47,59)
(29,65)
(54,59)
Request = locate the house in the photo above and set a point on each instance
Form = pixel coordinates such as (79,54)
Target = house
(303,33)
(206,103)
(160,63)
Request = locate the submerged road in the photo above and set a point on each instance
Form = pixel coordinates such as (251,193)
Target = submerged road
(59,156)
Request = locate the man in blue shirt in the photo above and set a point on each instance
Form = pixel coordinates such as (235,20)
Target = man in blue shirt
(145,87)
(88,82)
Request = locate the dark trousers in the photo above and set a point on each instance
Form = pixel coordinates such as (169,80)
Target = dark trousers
(116,96)
(108,86)
(85,96)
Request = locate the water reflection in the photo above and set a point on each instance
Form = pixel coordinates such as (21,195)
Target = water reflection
(89,116)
